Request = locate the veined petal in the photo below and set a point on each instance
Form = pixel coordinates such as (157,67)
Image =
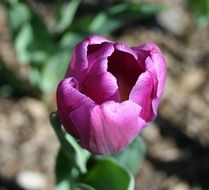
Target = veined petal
(68,99)
(156,65)
(101,88)
(154,62)
(125,48)
(98,58)
(96,39)
(108,128)
(79,63)
(100,85)
(145,50)
(141,94)
(149,47)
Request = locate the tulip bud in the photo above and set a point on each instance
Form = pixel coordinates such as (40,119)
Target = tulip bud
(110,92)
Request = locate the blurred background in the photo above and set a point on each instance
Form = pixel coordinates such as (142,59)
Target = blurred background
(36,40)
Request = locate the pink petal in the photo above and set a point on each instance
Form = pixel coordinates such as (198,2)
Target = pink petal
(99,84)
(145,50)
(142,95)
(68,99)
(107,128)
(81,119)
(156,65)
(125,48)
(149,47)
(96,39)
(98,58)
(79,63)
(154,62)
(101,88)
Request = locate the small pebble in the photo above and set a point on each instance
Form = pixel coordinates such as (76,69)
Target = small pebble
(32,180)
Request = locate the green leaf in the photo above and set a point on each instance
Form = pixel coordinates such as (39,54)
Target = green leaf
(134,11)
(64,185)
(107,174)
(200,7)
(69,40)
(10,2)
(82,186)
(70,147)
(63,170)
(132,157)
(71,159)
(149,8)
(82,155)
(116,16)
(22,41)
(66,146)
(108,19)
(18,15)
(200,10)
(65,14)
(13,84)
(53,71)
(101,20)
(42,38)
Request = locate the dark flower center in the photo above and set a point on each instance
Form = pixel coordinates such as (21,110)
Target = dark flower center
(126,69)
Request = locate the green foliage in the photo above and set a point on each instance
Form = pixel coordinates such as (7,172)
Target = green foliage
(65,14)
(12,84)
(71,158)
(63,171)
(107,174)
(137,151)
(201,11)
(70,147)
(115,16)
(81,186)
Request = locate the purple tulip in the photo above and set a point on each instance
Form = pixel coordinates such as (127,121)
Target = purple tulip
(110,92)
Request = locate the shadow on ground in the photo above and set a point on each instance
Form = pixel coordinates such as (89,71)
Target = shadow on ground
(9,184)
(194,166)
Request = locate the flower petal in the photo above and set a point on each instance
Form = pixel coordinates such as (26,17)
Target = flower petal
(98,59)
(154,62)
(156,65)
(79,63)
(107,128)
(125,48)
(100,85)
(101,88)
(68,99)
(96,39)
(142,95)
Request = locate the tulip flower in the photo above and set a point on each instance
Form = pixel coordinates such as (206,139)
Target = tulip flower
(110,92)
